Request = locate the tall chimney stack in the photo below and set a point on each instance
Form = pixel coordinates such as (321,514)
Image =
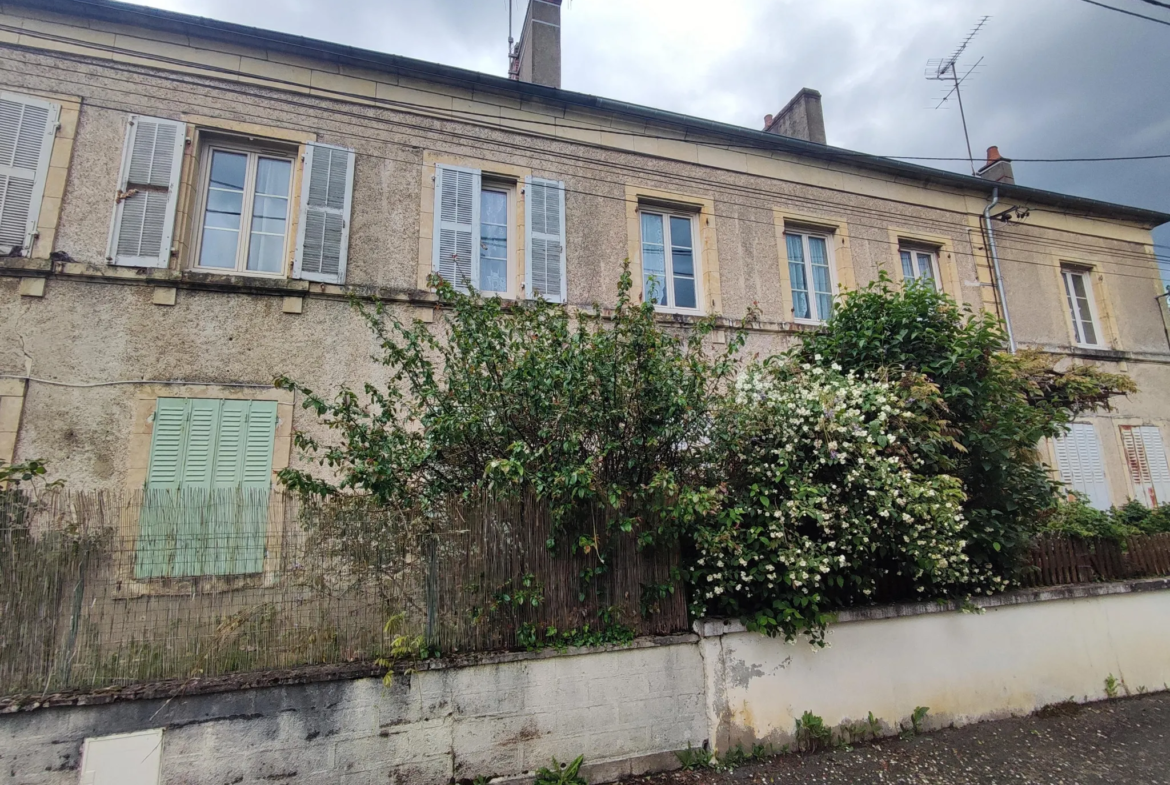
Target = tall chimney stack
(997,169)
(801,118)
(537,58)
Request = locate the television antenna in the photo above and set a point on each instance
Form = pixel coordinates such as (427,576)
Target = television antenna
(947,69)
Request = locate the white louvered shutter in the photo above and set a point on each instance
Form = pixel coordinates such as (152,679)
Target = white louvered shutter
(1145,456)
(455,249)
(323,228)
(1082,468)
(144,220)
(27,129)
(544,219)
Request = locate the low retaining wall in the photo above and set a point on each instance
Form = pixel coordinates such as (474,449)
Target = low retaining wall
(627,710)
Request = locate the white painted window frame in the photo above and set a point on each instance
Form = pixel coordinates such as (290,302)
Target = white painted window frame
(696,251)
(914,250)
(1074,311)
(254,153)
(804,234)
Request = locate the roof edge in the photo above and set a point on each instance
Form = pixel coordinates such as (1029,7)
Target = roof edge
(228,32)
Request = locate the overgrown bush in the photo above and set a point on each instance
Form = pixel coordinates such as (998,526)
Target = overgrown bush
(1074,517)
(824,499)
(998,406)
(585,409)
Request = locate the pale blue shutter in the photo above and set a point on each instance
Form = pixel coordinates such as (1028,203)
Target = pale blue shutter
(1078,455)
(323,226)
(455,246)
(255,485)
(144,221)
(195,495)
(544,221)
(27,129)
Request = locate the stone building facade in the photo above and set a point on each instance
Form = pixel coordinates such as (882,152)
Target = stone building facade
(206,197)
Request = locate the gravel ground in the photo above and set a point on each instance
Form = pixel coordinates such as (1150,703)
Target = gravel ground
(1121,742)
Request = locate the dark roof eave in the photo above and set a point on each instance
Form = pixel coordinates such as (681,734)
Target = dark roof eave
(154,18)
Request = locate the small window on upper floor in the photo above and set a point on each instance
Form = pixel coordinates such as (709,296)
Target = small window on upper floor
(670,261)
(246,203)
(475,240)
(810,275)
(920,265)
(245,208)
(1078,289)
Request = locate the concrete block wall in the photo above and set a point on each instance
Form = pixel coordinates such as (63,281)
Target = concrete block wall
(627,711)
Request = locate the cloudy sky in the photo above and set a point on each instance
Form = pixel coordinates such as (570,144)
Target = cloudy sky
(1060,78)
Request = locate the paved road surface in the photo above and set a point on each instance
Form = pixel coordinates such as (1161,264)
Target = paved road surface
(1120,742)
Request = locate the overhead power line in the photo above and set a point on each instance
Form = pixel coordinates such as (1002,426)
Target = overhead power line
(1129,13)
(1039,160)
(1158,3)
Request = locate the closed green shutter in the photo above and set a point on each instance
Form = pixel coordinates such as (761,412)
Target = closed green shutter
(206,506)
(156,524)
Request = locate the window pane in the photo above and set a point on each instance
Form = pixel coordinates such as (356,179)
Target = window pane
(682,261)
(218,248)
(1087,326)
(795,247)
(1072,308)
(493,242)
(680,232)
(493,208)
(265,252)
(907,266)
(493,275)
(653,260)
(272,176)
(228,170)
(1078,283)
(223,208)
(268,214)
(652,229)
(684,292)
(822,282)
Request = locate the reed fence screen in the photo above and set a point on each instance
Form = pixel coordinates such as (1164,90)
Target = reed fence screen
(103,590)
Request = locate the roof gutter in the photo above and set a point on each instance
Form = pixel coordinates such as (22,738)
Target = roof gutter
(1007,319)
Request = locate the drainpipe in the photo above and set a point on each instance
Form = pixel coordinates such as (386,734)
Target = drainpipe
(1007,320)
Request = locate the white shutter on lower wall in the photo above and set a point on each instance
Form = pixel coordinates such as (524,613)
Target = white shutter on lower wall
(544,221)
(144,220)
(455,246)
(1082,469)
(323,226)
(1145,456)
(27,129)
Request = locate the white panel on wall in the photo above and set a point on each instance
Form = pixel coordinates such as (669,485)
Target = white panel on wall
(123,759)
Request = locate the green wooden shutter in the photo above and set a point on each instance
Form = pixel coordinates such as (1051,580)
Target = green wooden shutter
(223,507)
(156,523)
(256,485)
(207,489)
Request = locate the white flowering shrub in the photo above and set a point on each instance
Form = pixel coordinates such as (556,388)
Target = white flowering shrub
(823,505)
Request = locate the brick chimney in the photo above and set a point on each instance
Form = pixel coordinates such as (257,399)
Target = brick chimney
(537,58)
(801,118)
(997,169)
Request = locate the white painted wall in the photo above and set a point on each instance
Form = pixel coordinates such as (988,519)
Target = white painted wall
(1011,659)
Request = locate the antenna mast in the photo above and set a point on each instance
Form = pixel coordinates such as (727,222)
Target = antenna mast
(947,69)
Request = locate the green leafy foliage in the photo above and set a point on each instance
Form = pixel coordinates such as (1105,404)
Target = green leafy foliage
(812,734)
(825,499)
(695,758)
(916,718)
(1074,517)
(584,408)
(997,406)
(561,773)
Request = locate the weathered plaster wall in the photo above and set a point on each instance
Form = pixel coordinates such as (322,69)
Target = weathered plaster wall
(1011,659)
(626,711)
